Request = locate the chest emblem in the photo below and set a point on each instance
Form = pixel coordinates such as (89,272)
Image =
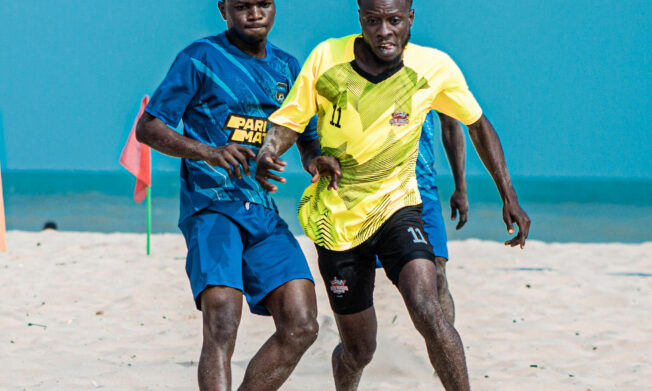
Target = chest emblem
(281,92)
(246,129)
(399,118)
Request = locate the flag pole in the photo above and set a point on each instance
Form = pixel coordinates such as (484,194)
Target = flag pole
(149,215)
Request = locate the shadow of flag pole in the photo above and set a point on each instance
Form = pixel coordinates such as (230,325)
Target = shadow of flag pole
(3,228)
(149,215)
(137,159)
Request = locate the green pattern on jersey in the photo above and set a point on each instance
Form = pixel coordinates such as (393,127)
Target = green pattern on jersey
(323,226)
(362,179)
(342,85)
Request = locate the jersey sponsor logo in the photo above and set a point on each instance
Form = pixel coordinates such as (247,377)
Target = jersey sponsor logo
(281,91)
(400,118)
(338,287)
(246,129)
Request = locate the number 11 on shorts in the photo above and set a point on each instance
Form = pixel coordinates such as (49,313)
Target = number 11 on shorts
(417,236)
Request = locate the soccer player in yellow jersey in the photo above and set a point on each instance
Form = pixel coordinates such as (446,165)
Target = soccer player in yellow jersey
(371,93)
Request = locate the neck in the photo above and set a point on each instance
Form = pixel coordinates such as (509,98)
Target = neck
(369,62)
(254,49)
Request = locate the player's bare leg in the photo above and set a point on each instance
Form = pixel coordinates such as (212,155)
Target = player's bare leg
(221,312)
(294,309)
(445,297)
(418,286)
(358,335)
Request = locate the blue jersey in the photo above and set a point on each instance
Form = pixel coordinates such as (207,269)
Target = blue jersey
(223,96)
(425,169)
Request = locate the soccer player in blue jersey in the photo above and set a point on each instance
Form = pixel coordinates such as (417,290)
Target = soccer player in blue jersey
(223,87)
(433,222)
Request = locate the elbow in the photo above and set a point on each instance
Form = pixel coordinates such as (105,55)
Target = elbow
(142,131)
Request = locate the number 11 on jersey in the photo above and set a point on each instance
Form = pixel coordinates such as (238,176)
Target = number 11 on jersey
(336,117)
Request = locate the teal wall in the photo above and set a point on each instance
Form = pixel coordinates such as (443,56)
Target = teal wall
(566,83)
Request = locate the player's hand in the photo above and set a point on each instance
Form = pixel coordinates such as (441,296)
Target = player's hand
(325,166)
(512,213)
(266,163)
(230,157)
(459,204)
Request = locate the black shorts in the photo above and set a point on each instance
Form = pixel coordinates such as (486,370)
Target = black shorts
(349,275)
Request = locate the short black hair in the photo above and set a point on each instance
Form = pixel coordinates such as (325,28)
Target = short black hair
(409,3)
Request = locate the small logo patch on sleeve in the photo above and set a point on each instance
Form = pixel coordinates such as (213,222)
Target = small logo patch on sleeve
(246,129)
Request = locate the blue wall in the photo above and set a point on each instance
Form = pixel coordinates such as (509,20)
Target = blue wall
(566,83)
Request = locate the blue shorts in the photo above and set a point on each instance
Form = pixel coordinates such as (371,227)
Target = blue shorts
(244,246)
(433,221)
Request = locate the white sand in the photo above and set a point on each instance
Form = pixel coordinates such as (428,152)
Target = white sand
(118,320)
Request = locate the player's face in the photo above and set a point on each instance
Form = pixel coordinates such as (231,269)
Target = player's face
(386,26)
(251,20)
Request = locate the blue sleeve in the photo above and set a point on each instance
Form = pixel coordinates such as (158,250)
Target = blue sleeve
(176,92)
(310,133)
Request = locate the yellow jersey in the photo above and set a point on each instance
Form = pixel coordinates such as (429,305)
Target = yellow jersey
(372,126)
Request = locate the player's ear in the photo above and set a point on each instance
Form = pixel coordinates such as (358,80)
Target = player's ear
(222,7)
(411,17)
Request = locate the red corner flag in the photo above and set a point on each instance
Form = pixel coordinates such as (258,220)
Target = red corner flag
(137,158)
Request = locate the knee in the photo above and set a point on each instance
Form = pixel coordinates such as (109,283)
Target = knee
(220,323)
(220,331)
(360,353)
(300,332)
(428,317)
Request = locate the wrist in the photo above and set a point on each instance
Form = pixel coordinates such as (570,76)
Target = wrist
(204,151)
(510,198)
(310,155)
(262,152)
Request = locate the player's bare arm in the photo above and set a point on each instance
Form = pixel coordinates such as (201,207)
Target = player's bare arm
(319,165)
(308,150)
(486,142)
(153,132)
(278,140)
(452,136)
